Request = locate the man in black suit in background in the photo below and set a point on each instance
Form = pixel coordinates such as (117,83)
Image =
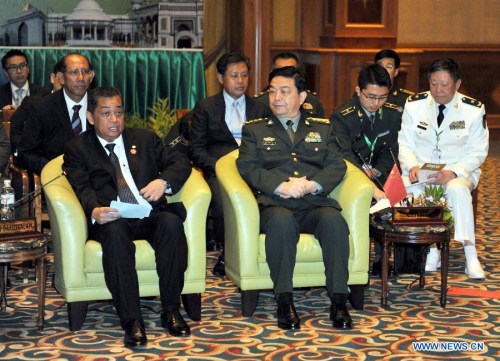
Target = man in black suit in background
(109,163)
(216,129)
(57,117)
(16,68)
(291,163)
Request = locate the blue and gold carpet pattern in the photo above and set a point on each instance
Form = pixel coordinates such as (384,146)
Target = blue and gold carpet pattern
(467,329)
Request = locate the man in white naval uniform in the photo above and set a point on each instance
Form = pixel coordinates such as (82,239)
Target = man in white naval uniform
(460,142)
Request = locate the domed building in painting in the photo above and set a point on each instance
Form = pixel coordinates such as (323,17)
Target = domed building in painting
(137,23)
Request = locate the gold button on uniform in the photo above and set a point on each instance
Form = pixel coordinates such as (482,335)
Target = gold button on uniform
(296,173)
(295,160)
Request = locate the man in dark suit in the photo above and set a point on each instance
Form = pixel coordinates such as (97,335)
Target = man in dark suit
(109,163)
(16,68)
(216,129)
(57,117)
(19,117)
(312,105)
(292,164)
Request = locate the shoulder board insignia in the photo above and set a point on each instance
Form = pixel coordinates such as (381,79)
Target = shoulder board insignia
(347,111)
(255,121)
(310,91)
(472,101)
(261,94)
(174,142)
(319,120)
(406,91)
(418,96)
(390,106)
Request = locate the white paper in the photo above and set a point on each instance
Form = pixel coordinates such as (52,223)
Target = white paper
(381,204)
(129,210)
(427,169)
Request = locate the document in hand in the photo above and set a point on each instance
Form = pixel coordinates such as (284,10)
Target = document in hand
(427,169)
(129,210)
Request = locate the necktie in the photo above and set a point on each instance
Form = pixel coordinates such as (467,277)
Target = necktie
(372,120)
(289,130)
(76,122)
(236,123)
(124,191)
(19,98)
(441,114)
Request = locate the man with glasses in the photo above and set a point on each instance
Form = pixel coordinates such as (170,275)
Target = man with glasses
(57,117)
(16,68)
(367,127)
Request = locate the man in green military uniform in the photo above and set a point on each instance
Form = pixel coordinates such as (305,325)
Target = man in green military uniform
(312,105)
(366,128)
(390,60)
(291,163)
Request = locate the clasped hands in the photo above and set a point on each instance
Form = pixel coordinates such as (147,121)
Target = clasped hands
(296,187)
(151,192)
(442,177)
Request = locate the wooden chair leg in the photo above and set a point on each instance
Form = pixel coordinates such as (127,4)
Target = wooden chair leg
(249,300)
(357,296)
(77,311)
(192,305)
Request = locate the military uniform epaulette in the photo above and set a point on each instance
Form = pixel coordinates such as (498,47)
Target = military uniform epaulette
(261,93)
(472,101)
(255,121)
(318,120)
(418,96)
(406,91)
(310,91)
(347,111)
(390,106)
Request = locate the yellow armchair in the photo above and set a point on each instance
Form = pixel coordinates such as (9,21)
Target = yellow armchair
(79,276)
(244,245)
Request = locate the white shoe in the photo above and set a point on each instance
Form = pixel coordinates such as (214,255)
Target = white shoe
(433,261)
(472,266)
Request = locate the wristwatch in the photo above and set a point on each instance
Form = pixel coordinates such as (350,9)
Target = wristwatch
(167,185)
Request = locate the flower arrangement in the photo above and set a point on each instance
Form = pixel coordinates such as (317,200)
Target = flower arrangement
(433,196)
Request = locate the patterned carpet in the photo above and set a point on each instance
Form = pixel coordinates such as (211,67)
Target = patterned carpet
(469,324)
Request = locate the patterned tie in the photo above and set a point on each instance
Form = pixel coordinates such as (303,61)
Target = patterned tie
(290,131)
(124,191)
(76,122)
(441,114)
(19,98)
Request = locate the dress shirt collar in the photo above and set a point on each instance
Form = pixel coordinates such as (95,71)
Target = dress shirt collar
(295,121)
(83,110)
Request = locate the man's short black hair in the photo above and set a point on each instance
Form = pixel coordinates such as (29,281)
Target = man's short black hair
(290,72)
(445,64)
(59,67)
(285,55)
(100,92)
(374,74)
(12,53)
(231,58)
(65,57)
(388,53)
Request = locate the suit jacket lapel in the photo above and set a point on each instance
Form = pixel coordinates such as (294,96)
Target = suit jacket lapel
(129,143)
(62,115)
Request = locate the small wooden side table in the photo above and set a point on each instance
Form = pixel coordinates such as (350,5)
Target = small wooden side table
(386,233)
(21,250)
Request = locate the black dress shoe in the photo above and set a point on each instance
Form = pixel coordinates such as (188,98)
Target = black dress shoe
(340,316)
(287,315)
(220,267)
(175,324)
(377,269)
(135,334)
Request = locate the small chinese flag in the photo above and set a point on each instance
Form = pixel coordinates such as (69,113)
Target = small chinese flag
(394,188)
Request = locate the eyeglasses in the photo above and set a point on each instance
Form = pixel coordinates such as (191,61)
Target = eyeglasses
(14,68)
(77,72)
(375,98)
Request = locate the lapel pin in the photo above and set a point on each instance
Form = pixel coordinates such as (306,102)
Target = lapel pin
(133,150)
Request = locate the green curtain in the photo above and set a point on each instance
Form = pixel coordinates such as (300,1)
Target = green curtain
(143,75)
